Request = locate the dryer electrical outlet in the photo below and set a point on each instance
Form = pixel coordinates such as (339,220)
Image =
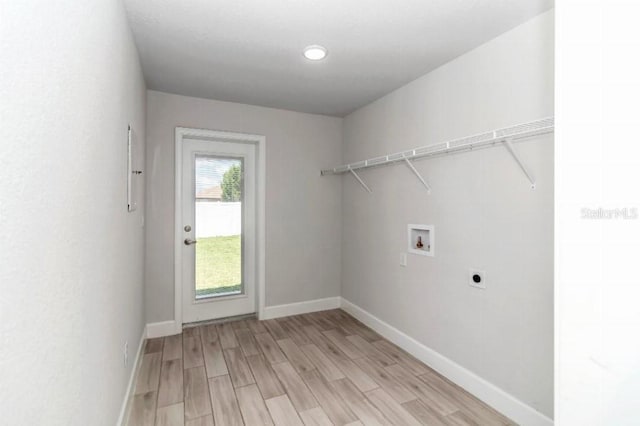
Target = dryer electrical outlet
(477,278)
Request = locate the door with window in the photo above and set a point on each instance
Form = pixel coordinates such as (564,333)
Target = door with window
(218,230)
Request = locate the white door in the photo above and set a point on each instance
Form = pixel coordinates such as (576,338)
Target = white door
(218,229)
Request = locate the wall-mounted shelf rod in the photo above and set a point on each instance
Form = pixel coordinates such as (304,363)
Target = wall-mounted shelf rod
(505,136)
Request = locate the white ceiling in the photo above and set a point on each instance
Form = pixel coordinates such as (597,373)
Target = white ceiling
(250,51)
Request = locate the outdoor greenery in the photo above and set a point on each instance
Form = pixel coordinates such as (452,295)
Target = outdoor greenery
(218,265)
(232,184)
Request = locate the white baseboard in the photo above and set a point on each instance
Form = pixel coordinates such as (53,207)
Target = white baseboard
(168,328)
(162,329)
(476,385)
(126,403)
(278,311)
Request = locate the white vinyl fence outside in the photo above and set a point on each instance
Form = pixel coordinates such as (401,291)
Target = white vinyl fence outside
(218,219)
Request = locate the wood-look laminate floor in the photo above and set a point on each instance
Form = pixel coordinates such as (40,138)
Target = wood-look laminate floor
(324,368)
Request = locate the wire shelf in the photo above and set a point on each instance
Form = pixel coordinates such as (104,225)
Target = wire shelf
(512,134)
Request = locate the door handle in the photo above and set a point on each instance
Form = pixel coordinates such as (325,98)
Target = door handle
(189,241)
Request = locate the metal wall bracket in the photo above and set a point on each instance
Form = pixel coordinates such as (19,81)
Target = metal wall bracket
(355,175)
(516,157)
(418,175)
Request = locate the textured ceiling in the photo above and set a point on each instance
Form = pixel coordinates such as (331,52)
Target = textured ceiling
(250,51)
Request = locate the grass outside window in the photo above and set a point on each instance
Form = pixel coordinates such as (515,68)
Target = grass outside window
(218,265)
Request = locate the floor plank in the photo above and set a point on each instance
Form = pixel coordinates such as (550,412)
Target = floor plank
(359,378)
(296,357)
(371,351)
(247,342)
(465,401)
(192,356)
(299,394)
(171,389)
(238,368)
(275,329)
(393,411)
(190,331)
(426,393)
(300,321)
(209,333)
(397,390)
(256,326)
(223,400)
(239,325)
(172,347)
(401,357)
(348,348)
(282,411)
(196,393)
(214,358)
(227,336)
(321,341)
(325,366)
(294,332)
(252,406)
(265,377)
(153,345)
(357,402)
(171,415)
(423,413)
(143,409)
(315,417)
(321,322)
(355,327)
(336,409)
(201,421)
(270,348)
(459,418)
(149,373)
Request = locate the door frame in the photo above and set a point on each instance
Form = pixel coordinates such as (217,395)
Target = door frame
(220,136)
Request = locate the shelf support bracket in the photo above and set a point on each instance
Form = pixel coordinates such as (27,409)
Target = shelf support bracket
(355,175)
(514,154)
(418,175)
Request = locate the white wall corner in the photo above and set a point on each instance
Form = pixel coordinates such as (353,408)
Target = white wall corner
(497,398)
(126,403)
(162,329)
(298,308)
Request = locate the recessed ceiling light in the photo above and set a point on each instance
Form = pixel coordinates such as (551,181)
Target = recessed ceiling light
(315,52)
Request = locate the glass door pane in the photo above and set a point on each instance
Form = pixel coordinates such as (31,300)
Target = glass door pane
(219,189)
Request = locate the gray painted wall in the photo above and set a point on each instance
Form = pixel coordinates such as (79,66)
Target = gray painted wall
(71,269)
(303,210)
(484,213)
